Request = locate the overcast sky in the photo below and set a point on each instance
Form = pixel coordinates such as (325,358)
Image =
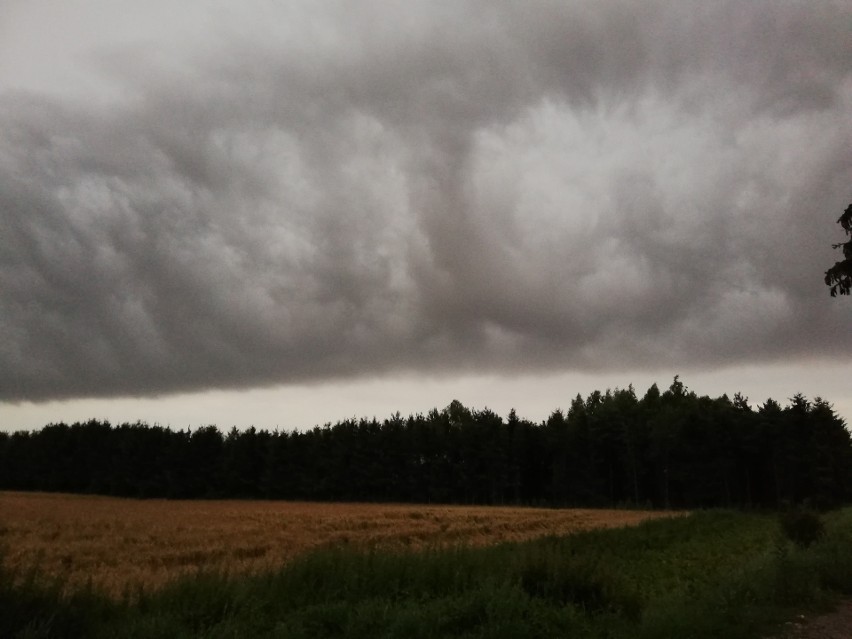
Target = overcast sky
(285,213)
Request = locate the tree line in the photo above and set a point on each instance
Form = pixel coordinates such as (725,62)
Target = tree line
(671,449)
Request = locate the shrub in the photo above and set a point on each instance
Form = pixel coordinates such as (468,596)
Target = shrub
(802,526)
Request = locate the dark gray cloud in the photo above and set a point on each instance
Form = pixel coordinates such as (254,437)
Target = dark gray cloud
(429,186)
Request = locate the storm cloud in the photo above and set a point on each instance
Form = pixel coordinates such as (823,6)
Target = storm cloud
(330,190)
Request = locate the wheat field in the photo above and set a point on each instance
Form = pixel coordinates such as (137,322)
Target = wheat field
(120,546)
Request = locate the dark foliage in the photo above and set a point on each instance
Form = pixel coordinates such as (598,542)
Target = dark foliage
(672,449)
(839,276)
(802,526)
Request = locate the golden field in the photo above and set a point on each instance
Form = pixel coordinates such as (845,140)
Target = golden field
(122,545)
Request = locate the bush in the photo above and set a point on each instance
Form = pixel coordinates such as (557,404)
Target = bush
(802,526)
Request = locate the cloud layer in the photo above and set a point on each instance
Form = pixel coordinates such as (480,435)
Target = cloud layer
(317,192)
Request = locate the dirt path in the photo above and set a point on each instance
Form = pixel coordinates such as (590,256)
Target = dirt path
(835,625)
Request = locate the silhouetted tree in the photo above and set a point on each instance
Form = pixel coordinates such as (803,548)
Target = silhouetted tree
(831,455)
(839,276)
(672,449)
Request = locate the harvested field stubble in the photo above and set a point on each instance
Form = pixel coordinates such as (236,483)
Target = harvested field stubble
(122,545)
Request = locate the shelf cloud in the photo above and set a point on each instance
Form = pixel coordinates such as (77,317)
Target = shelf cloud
(272,194)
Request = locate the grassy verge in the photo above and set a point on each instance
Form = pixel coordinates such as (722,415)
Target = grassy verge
(707,575)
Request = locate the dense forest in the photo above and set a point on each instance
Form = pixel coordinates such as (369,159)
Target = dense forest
(669,449)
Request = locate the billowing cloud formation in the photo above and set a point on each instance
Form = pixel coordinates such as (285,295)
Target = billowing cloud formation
(327,191)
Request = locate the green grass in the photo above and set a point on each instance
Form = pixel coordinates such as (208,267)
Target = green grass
(707,575)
